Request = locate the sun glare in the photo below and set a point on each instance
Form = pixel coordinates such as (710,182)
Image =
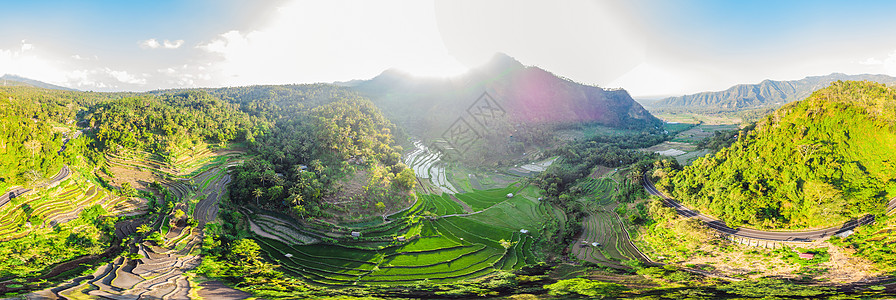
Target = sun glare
(438,69)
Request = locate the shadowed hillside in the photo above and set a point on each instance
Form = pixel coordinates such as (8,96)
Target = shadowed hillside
(503,101)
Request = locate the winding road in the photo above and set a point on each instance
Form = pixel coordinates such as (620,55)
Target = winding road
(778,236)
(18,191)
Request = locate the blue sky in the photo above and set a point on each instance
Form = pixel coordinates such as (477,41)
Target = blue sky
(649,47)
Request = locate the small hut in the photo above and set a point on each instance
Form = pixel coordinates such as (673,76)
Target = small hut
(356,233)
(523,231)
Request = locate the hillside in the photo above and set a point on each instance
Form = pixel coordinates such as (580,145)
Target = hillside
(810,164)
(510,106)
(768,93)
(13,80)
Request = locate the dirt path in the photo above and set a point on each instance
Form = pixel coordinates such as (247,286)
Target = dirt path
(466,206)
(218,291)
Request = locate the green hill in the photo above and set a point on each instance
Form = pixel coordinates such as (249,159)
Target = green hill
(812,163)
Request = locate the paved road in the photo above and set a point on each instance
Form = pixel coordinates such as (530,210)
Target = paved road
(891,208)
(18,191)
(779,236)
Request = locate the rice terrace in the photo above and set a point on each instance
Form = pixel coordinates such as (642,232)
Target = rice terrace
(394,149)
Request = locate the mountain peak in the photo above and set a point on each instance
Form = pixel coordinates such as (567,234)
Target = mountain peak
(500,62)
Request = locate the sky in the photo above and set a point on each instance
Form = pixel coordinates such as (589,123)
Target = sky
(651,48)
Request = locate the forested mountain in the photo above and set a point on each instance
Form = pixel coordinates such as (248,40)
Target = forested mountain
(767,93)
(13,80)
(811,163)
(308,142)
(506,103)
(160,124)
(34,122)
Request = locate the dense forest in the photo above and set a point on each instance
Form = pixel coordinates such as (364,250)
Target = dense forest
(812,163)
(157,124)
(322,135)
(33,126)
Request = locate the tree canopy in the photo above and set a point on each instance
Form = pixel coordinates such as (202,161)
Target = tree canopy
(812,163)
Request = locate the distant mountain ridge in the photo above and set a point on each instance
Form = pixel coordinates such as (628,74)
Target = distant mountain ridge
(503,101)
(7,80)
(527,95)
(764,94)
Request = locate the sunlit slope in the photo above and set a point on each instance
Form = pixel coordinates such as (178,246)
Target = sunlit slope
(812,163)
(434,241)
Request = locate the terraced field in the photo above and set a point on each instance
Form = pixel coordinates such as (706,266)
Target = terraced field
(483,199)
(156,271)
(60,203)
(427,164)
(597,191)
(408,247)
(613,247)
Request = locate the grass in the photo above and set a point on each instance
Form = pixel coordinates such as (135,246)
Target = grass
(443,204)
(437,249)
(483,199)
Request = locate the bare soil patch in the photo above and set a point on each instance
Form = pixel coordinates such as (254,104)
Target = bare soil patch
(353,204)
(687,147)
(466,206)
(755,262)
(600,171)
(217,290)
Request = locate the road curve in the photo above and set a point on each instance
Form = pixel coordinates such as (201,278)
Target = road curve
(778,236)
(18,191)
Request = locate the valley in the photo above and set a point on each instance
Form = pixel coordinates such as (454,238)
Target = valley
(306,191)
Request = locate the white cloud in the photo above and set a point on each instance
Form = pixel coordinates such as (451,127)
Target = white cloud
(311,41)
(885,65)
(172,45)
(26,46)
(27,63)
(150,43)
(871,61)
(166,44)
(104,79)
(125,77)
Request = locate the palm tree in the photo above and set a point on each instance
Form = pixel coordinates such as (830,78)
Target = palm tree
(258,192)
(33,145)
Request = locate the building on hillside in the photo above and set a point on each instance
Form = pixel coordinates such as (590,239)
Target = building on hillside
(523,231)
(845,234)
(807,255)
(356,233)
(510,195)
